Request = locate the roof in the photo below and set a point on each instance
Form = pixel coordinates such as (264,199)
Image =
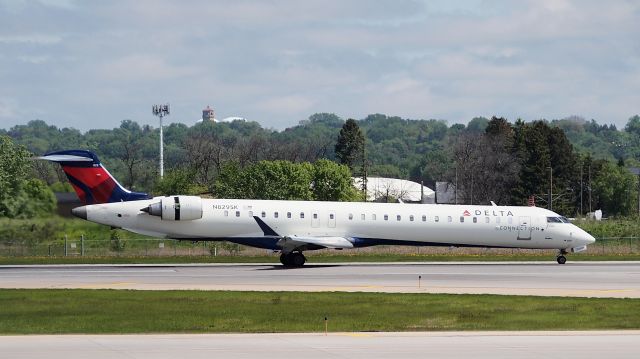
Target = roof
(405,190)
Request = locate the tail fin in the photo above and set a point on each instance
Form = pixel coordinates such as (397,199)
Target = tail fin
(91,181)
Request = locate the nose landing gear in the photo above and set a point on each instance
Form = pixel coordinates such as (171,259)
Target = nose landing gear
(561,258)
(293,259)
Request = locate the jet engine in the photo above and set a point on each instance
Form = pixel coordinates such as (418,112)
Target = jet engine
(176,208)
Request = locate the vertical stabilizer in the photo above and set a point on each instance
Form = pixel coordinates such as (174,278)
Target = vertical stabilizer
(91,181)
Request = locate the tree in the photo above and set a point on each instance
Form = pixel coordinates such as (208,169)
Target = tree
(284,180)
(485,169)
(20,196)
(616,190)
(332,182)
(633,125)
(350,143)
(178,182)
(532,152)
(478,124)
(274,180)
(130,149)
(499,126)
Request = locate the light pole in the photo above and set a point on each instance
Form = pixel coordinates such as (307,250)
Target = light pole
(636,171)
(581,178)
(161,111)
(550,206)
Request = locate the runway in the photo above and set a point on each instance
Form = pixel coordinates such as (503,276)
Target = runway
(583,345)
(579,279)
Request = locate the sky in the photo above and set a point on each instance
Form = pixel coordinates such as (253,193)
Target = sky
(91,64)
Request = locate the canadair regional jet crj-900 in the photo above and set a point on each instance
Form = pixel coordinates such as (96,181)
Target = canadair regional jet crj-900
(292,227)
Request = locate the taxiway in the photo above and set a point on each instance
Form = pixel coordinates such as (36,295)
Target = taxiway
(494,345)
(580,279)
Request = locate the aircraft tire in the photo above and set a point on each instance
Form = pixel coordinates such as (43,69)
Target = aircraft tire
(285,259)
(297,259)
(561,259)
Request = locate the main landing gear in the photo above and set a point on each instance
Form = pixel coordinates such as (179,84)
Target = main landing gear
(561,258)
(293,259)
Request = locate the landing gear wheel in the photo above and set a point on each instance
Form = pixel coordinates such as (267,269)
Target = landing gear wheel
(297,259)
(285,259)
(561,259)
(294,259)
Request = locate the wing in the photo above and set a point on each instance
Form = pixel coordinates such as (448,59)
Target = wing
(292,242)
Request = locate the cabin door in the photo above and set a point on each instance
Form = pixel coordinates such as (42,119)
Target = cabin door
(524,230)
(315,220)
(332,220)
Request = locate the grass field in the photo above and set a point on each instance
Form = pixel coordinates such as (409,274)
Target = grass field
(119,311)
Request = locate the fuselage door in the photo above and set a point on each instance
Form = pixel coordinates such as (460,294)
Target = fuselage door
(332,220)
(524,229)
(315,220)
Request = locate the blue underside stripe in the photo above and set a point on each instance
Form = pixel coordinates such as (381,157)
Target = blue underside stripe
(271,242)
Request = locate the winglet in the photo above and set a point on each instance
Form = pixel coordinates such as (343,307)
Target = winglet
(265,228)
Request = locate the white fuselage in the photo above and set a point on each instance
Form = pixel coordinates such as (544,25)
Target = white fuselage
(361,224)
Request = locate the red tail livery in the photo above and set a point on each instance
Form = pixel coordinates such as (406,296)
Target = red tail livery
(91,181)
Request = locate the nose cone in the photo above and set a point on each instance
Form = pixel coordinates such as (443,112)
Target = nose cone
(584,238)
(80,212)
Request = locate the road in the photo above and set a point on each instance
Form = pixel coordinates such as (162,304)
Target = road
(580,279)
(494,345)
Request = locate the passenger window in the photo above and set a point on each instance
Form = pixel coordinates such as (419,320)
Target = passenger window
(436,218)
(350,216)
(362,217)
(398,217)
(237,213)
(302,215)
(263,214)
(226,213)
(424,218)
(373,216)
(275,214)
(449,219)
(475,219)
(288,214)
(411,218)
(386,217)
(461,219)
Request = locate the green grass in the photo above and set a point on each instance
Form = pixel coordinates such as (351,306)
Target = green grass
(316,258)
(119,311)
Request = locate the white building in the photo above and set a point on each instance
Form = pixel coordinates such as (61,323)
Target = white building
(381,189)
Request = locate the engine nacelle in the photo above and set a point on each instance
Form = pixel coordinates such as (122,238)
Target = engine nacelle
(176,208)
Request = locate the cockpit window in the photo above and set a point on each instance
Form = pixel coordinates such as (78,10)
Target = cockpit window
(565,220)
(556,220)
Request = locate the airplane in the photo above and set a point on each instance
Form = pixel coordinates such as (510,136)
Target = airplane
(293,227)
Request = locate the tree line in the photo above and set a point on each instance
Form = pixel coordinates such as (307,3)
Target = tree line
(583,164)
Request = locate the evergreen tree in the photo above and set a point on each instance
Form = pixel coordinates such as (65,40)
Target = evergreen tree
(350,144)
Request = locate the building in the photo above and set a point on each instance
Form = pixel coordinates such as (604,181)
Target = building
(208,114)
(381,189)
